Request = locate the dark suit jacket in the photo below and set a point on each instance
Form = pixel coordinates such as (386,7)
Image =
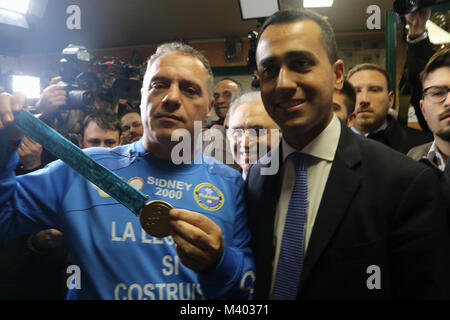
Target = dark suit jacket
(400,137)
(378,208)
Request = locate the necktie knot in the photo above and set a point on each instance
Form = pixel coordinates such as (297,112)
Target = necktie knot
(300,160)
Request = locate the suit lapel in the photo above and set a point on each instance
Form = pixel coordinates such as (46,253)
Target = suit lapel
(262,223)
(341,187)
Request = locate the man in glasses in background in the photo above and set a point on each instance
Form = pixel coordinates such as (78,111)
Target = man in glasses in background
(435,106)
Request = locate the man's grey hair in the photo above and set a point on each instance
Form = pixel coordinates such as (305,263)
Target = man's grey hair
(183,48)
(243,97)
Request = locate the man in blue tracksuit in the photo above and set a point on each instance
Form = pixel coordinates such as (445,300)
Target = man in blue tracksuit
(207,254)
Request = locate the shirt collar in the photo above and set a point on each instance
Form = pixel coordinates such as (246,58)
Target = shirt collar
(359,133)
(436,157)
(382,127)
(323,146)
(139,147)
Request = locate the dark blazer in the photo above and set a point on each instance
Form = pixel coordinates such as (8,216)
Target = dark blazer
(400,137)
(378,208)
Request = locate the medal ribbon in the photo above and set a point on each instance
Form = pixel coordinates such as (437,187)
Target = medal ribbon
(65,150)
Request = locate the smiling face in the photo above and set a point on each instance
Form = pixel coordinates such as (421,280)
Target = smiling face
(131,125)
(437,115)
(296,78)
(373,99)
(223,92)
(250,129)
(174,96)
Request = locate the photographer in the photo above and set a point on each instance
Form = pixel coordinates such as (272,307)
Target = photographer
(67,121)
(419,51)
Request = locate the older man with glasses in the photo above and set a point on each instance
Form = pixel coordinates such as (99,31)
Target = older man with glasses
(251,132)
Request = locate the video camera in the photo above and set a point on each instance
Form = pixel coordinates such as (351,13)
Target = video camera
(70,70)
(403,7)
(121,79)
(113,68)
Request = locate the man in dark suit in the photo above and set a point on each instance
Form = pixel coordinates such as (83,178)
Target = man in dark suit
(374,227)
(373,101)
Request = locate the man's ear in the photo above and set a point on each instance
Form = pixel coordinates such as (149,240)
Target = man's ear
(338,70)
(391,98)
(422,109)
(256,74)
(210,106)
(80,141)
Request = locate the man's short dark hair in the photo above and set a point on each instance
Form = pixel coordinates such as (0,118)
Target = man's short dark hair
(288,16)
(350,96)
(104,119)
(370,66)
(440,59)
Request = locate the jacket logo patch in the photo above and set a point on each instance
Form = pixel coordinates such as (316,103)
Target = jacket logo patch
(208,197)
(102,193)
(137,183)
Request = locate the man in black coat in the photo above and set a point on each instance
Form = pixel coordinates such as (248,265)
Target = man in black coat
(374,225)
(373,100)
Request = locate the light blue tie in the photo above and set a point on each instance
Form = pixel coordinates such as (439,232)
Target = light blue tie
(290,261)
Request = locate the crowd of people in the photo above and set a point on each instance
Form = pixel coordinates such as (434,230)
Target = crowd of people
(352,187)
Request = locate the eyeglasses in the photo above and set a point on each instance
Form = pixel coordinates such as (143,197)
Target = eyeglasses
(436,94)
(239,133)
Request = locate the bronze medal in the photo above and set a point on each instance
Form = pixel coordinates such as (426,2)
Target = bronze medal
(155,218)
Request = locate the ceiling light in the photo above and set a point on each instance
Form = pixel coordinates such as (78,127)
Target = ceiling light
(317,3)
(254,9)
(12,18)
(20,6)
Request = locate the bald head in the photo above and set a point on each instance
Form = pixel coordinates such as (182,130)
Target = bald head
(223,92)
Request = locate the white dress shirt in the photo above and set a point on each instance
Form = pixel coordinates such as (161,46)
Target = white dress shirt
(321,151)
(436,157)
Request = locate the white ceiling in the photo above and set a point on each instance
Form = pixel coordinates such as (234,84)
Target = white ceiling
(115,23)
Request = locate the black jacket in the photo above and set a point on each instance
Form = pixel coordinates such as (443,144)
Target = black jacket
(378,208)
